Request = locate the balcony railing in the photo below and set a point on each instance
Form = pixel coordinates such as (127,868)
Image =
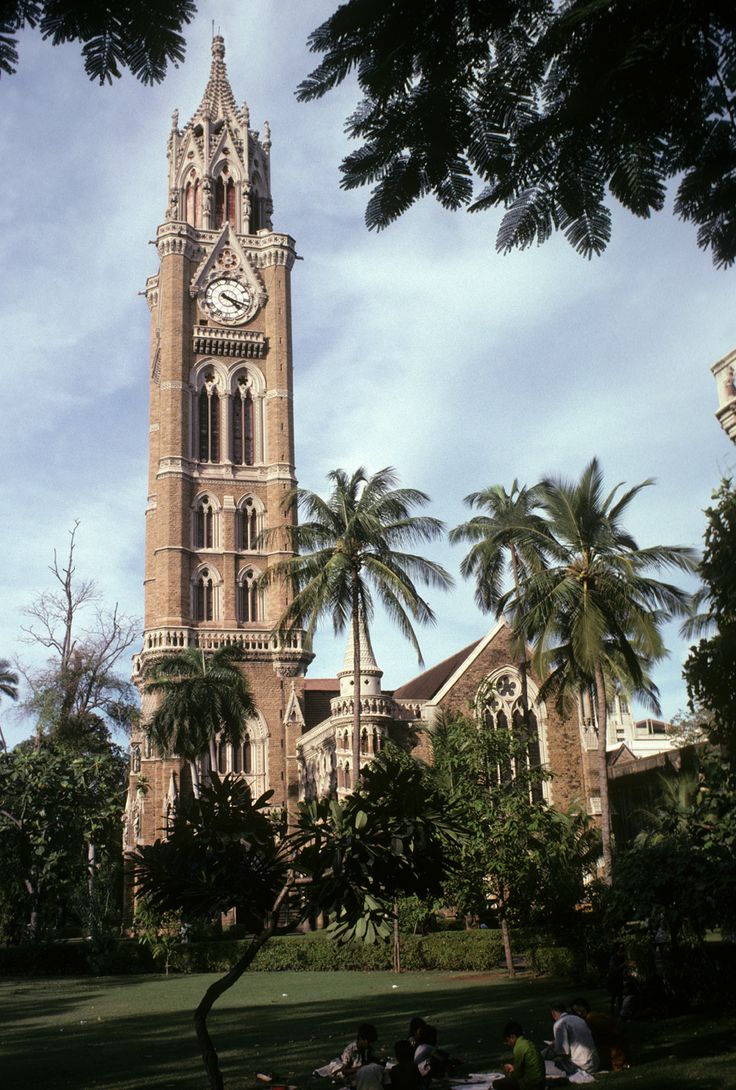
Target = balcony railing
(174,638)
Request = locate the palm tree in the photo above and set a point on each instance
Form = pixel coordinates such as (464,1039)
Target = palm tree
(8,687)
(203,696)
(509,535)
(349,548)
(594,613)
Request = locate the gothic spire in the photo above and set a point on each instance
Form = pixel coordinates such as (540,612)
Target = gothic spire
(218,100)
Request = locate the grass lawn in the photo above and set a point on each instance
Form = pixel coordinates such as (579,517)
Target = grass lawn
(136,1032)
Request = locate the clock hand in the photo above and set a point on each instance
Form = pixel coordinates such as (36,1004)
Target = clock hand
(231,299)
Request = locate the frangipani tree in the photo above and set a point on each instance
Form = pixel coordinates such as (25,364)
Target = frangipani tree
(348,860)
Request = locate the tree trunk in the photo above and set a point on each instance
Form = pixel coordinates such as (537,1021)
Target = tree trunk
(601,711)
(397,939)
(213,993)
(506,936)
(91,884)
(522,661)
(356,685)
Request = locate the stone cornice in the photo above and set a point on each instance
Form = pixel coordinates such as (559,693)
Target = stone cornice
(264,249)
(249,344)
(175,237)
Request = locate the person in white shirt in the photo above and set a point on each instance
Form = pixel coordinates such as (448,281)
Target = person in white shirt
(572,1052)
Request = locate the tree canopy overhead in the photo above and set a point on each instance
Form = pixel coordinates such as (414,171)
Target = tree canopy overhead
(142,35)
(544,109)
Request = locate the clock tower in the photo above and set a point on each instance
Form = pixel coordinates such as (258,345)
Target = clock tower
(221,446)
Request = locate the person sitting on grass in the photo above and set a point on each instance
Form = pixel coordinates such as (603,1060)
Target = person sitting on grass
(414,1026)
(572,1053)
(608,1035)
(527,1070)
(354,1056)
(404,1074)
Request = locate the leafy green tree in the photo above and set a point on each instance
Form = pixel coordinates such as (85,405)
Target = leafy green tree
(349,547)
(680,873)
(9,688)
(160,932)
(594,613)
(347,860)
(140,35)
(710,670)
(54,802)
(521,860)
(554,108)
(203,696)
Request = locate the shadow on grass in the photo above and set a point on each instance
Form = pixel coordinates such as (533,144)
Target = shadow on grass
(125,1033)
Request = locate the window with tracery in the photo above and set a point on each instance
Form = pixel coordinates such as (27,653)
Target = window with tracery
(204,604)
(249,758)
(209,421)
(248,542)
(135,757)
(243,424)
(249,597)
(204,521)
(503,711)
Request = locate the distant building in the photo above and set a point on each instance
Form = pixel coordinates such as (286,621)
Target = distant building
(725,371)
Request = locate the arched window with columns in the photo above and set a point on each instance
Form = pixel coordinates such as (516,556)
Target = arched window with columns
(250,597)
(209,420)
(249,525)
(205,523)
(249,758)
(206,585)
(224,200)
(500,702)
(193,200)
(243,423)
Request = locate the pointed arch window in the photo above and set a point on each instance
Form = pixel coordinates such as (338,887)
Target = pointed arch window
(209,421)
(248,542)
(204,609)
(204,524)
(243,430)
(504,712)
(249,597)
(224,201)
(193,201)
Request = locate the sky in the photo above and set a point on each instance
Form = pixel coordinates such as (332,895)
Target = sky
(418,347)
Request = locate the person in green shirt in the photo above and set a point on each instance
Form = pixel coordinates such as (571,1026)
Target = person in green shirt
(527,1070)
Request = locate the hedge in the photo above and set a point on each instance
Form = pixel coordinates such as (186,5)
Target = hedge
(474,951)
(470,950)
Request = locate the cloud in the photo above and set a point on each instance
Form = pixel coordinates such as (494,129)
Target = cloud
(417,347)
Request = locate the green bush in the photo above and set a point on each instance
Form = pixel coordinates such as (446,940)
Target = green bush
(469,951)
(77,958)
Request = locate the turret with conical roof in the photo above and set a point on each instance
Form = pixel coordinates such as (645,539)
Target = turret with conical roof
(219,169)
(370,674)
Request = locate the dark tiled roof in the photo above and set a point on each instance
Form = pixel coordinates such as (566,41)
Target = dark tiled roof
(318,691)
(431,681)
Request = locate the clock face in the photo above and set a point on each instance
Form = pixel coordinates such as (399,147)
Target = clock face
(228,300)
